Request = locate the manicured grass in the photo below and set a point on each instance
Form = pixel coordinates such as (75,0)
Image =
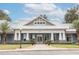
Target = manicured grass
(13,46)
(64,45)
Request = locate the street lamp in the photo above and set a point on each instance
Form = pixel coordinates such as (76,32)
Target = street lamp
(20,38)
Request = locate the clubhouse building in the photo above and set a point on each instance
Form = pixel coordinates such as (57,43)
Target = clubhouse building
(40,29)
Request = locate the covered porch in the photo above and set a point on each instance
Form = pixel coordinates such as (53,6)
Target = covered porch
(40,36)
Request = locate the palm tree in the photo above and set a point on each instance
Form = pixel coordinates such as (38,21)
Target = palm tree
(4,27)
(76,26)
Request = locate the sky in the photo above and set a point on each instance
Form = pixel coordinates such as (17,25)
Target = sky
(18,11)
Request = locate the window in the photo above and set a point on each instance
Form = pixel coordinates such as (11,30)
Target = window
(68,37)
(56,37)
(35,22)
(39,22)
(43,22)
(23,36)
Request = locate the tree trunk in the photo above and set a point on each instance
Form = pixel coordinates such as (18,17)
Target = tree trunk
(4,38)
(77,36)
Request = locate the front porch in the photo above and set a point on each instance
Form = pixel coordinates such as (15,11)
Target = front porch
(40,36)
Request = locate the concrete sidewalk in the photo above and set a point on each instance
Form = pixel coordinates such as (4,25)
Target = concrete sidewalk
(43,47)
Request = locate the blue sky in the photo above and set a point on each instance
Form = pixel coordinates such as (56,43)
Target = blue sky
(18,11)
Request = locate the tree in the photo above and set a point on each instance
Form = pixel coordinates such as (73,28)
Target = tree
(71,15)
(76,26)
(4,27)
(4,16)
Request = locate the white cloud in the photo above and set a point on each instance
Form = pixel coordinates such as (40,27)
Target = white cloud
(77,3)
(6,11)
(49,9)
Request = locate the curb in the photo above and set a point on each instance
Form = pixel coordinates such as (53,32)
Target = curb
(54,49)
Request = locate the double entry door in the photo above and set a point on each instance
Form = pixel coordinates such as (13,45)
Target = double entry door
(39,39)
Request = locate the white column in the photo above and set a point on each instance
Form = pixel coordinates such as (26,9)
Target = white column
(27,36)
(64,36)
(15,36)
(52,37)
(60,36)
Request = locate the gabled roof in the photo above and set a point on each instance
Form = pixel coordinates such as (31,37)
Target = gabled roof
(45,19)
(21,23)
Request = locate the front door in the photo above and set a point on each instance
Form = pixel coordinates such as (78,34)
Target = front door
(39,39)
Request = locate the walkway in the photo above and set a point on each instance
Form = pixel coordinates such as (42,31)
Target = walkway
(40,46)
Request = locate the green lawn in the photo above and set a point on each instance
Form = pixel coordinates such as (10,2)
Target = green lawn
(14,46)
(64,45)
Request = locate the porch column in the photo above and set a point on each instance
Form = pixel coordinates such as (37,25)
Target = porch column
(52,37)
(19,35)
(64,36)
(27,36)
(60,36)
(15,36)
